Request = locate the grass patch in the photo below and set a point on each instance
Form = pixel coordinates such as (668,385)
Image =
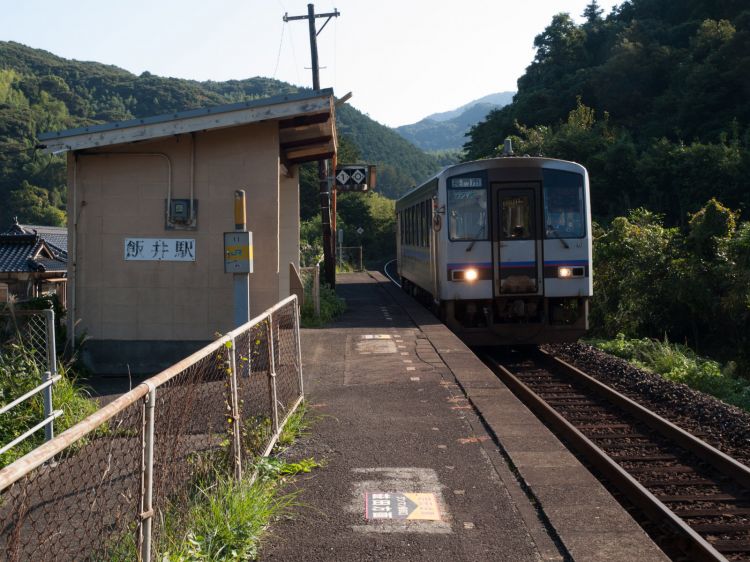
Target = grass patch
(679,363)
(20,373)
(296,426)
(226,519)
(331,306)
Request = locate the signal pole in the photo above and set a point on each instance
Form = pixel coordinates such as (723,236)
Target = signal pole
(329,249)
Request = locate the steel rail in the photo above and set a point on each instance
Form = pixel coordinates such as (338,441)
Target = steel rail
(388,275)
(721,461)
(694,545)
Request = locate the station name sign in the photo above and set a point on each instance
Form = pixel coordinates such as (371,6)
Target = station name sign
(355,177)
(159,249)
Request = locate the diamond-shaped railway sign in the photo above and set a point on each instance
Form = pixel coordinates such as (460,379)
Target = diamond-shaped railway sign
(354,177)
(342,178)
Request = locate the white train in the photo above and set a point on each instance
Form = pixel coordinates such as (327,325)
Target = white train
(500,249)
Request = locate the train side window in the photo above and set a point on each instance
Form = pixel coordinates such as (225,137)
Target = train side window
(422,221)
(418,213)
(413,227)
(515,218)
(427,222)
(563,204)
(408,225)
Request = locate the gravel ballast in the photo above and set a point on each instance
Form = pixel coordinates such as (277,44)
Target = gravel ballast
(725,427)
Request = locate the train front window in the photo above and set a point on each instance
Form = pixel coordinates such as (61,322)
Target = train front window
(467,209)
(563,204)
(515,217)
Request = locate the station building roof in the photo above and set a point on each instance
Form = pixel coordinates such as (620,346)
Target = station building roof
(31,248)
(307,126)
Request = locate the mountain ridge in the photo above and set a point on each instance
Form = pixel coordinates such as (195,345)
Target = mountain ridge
(447,130)
(41,92)
(497,99)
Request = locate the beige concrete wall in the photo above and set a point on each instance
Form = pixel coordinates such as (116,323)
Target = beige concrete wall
(288,228)
(122,195)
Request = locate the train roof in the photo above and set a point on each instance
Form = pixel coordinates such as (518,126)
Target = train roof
(499,162)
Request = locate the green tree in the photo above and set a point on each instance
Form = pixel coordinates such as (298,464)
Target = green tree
(35,205)
(633,267)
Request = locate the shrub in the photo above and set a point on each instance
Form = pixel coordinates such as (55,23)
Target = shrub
(680,364)
(331,306)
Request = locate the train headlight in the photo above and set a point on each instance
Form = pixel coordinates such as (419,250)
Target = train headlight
(471,274)
(564,272)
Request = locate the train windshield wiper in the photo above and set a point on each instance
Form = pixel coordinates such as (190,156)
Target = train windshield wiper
(474,241)
(551,230)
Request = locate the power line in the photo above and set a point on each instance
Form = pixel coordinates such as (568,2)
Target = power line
(294,56)
(335,53)
(278,56)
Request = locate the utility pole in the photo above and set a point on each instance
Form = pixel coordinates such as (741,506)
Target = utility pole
(328,222)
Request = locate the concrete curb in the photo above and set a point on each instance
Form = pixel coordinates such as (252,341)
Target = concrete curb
(588,521)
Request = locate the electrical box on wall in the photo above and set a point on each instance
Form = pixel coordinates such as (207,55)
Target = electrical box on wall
(182,214)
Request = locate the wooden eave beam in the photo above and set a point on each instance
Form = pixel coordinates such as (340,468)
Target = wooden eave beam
(311,153)
(316,141)
(308,111)
(305,120)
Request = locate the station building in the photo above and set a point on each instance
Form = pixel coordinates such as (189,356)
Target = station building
(148,203)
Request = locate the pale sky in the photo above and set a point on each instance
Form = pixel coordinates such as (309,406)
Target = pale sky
(401,59)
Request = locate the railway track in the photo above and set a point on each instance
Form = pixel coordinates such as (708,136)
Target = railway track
(696,498)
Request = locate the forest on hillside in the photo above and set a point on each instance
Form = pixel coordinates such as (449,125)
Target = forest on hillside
(41,92)
(662,93)
(654,99)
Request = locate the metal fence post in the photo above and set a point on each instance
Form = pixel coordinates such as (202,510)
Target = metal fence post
(49,317)
(147,475)
(235,404)
(298,342)
(316,289)
(272,374)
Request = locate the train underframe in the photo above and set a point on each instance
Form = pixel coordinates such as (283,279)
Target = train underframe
(517,320)
(512,319)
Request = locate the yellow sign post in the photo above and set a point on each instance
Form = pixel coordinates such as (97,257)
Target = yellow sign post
(238,259)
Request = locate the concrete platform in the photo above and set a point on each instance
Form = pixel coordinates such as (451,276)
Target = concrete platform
(406,407)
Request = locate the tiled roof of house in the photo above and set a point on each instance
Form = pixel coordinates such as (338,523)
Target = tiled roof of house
(54,235)
(26,248)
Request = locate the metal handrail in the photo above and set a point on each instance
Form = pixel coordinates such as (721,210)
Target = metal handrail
(44,423)
(30,393)
(45,452)
(49,377)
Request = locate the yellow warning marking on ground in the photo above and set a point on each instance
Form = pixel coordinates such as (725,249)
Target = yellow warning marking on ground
(413,506)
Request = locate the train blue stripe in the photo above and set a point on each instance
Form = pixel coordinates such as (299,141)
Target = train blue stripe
(511,264)
(483,265)
(567,262)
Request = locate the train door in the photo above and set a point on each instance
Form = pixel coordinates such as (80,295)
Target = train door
(517,245)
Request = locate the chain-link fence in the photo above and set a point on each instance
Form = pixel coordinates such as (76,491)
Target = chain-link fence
(350,258)
(111,486)
(34,331)
(311,286)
